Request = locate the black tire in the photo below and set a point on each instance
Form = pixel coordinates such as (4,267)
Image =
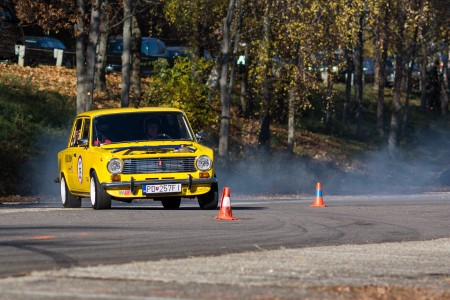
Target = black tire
(100,199)
(209,200)
(171,202)
(68,200)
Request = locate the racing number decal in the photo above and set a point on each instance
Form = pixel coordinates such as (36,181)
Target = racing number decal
(80,169)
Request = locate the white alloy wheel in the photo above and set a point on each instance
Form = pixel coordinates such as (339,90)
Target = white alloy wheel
(63,190)
(67,198)
(99,197)
(92,191)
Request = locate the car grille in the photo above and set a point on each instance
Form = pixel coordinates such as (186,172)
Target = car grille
(158,165)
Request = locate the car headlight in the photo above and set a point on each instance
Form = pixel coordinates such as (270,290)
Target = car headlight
(115,166)
(203,163)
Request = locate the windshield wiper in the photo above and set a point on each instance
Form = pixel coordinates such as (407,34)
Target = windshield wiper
(174,147)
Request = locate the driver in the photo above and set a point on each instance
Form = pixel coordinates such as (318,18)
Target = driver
(101,134)
(152,127)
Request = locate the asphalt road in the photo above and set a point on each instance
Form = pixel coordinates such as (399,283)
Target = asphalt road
(45,236)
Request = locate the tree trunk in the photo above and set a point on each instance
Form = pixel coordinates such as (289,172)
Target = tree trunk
(348,86)
(136,41)
(377,40)
(444,92)
(394,130)
(126,55)
(245,96)
(100,74)
(329,101)
(91,50)
(213,82)
(291,119)
(359,60)
(423,55)
(86,64)
(445,88)
(382,73)
(80,33)
(236,48)
(223,82)
(264,119)
(409,82)
(423,73)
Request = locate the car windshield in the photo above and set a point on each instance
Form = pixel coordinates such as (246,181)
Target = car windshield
(152,47)
(53,44)
(140,126)
(149,46)
(44,43)
(115,47)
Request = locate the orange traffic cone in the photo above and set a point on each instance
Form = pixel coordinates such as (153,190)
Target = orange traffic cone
(318,200)
(225,206)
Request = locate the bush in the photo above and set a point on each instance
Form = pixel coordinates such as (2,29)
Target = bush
(184,86)
(25,114)
(15,138)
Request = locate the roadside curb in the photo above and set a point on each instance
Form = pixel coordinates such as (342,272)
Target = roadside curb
(17,200)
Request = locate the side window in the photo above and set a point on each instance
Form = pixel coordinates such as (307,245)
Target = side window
(152,48)
(43,44)
(59,45)
(144,48)
(76,133)
(161,48)
(86,127)
(51,44)
(115,47)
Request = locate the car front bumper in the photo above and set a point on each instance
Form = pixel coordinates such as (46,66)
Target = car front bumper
(190,182)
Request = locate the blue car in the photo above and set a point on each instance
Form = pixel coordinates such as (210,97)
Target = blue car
(152,49)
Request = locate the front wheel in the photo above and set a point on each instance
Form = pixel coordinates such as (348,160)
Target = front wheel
(100,199)
(210,199)
(67,198)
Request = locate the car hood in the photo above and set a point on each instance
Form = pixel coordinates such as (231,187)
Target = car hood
(139,148)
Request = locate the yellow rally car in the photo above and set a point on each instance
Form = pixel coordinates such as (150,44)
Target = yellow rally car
(131,153)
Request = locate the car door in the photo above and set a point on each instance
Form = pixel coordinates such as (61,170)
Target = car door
(76,156)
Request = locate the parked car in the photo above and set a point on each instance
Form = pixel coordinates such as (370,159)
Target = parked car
(390,73)
(152,49)
(135,153)
(174,52)
(40,50)
(368,69)
(10,32)
(320,66)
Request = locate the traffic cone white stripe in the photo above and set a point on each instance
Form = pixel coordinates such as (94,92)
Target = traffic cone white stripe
(226,202)
(225,206)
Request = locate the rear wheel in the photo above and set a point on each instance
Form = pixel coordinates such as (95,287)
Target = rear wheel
(68,200)
(99,197)
(171,202)
(210,199)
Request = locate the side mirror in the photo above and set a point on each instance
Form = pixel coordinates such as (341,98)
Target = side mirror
(83,143)
(199,136)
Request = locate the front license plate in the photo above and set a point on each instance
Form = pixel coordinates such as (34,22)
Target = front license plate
(161,188)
